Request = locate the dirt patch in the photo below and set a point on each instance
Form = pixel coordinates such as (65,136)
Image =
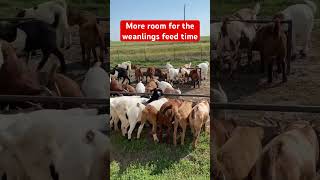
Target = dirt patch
(302,87)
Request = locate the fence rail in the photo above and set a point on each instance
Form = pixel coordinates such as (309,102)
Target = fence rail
(266,107)
(262,21)
(142,94)
(48,99)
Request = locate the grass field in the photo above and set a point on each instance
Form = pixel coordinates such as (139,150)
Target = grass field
(158,53)
(99,7)
(142,159)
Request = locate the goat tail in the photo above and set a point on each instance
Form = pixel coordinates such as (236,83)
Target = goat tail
(312,5)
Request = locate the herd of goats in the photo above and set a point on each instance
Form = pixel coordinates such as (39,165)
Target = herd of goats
(243,150)
(235,35)
(158,110)
(52,141)
(158,78)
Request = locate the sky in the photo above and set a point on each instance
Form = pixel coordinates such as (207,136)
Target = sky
(158,9)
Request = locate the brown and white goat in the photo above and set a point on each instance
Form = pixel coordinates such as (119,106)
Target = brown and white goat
(195,77)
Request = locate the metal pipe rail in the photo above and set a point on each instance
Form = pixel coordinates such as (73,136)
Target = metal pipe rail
(16,19)
(265,107)
(183,95)
(49,99)
(258,21)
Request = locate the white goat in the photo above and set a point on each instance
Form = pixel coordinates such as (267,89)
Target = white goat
(46,12)
(113,114)
(122,108)
(134,116)
(164,85)
(173,74)
(204,69)
(95,84)
(168,65)
(302,16)
(234,34)
(140,88)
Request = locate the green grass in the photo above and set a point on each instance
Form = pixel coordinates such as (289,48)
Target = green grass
(158,53)
(98,7)
(221,8)
(143,159)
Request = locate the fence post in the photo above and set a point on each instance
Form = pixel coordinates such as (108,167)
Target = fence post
(145,55)
(289,45)
(174,53)
(200,51)
(118,55)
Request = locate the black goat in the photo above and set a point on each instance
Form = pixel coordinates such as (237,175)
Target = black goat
(33,35)
(122,73)
(157,93)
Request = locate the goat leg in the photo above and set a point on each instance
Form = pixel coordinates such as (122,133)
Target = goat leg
(270,70)
(83,52)
(60,56)
(43,60)
(284,73)
(168,134)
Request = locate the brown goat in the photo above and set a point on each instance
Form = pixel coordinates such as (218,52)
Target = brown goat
(128,88)
(151,85)
(239,154)
(166,116)
(63,85)
(162,75)
(293,155)
(90,33)
(138,73)
(181,118)
(271,41)
(15,77)
(149,114)
(150,73)
(195,77)
(197,119)
(115,86)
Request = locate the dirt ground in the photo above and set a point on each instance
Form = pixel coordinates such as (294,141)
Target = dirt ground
(302,88)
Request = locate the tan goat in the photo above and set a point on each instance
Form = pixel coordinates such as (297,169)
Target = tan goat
(240,153)
(181,118)
(292,155)
(198,117)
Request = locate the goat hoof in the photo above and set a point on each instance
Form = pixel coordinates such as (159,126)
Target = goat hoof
(129,140)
